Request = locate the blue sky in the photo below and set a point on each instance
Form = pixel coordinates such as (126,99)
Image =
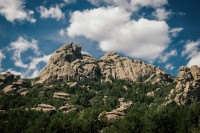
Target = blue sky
(163,32)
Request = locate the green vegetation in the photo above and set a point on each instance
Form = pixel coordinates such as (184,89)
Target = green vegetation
(146,115)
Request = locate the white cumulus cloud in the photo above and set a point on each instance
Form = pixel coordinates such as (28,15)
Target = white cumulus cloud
(36,60)
(161,14)
(169,66)
(175,31)
(20,46)
(52,12)
(133,5)
(191,48)
(31,67)
(62,32)
(143,38)
(86,53)
(195,60)
(14,10)
(166,56)
(192,52)
(69,1)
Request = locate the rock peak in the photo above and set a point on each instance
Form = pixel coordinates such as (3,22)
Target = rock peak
(110,56)
(68,52)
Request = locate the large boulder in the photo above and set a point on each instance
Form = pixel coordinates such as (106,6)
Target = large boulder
(61,95)
(45,108)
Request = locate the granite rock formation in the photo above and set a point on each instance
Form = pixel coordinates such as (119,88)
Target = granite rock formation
(10,83)
(67,63)
(188,85)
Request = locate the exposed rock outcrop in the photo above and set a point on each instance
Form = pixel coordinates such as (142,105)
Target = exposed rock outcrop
(61,95)
(67,63)
(8,78)
(44,108)
(160,77)
(115,67)
(188,85)
(67,108)
(12,82)
(72,84)
(117,113)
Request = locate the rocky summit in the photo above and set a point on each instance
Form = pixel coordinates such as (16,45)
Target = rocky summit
(68,63)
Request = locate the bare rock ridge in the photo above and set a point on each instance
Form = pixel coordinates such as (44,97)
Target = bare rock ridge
(68,63)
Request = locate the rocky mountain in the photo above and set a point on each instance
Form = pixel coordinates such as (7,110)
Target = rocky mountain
(78,93)
(68,63)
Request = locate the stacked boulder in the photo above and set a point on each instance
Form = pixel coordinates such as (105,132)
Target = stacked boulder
(13,83)
(117,113)
(188,85)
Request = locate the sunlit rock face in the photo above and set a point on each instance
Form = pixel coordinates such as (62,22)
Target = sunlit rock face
(68,63)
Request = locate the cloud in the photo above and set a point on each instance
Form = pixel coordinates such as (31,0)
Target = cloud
(169,66)
(62,32)
(133,5)
(14,10)
(161,14)
(2,56)
(69,1)
(191,49)
(20,46)
(86,53)
(13,72)
(52,12)
(30,68)
(24,74)
(175,31)
(192,52)
(166,57)
(195,60)
(143,38)
(36,60)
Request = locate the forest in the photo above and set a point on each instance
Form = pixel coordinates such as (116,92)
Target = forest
(148,114)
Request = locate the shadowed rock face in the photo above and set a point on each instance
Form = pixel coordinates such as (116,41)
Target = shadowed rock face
(67,63)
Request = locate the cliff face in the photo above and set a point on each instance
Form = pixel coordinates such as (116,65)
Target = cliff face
(67,63)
